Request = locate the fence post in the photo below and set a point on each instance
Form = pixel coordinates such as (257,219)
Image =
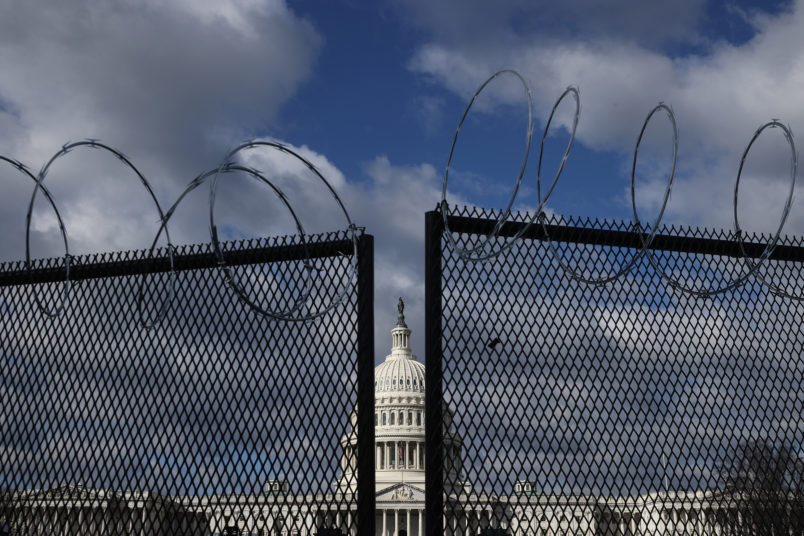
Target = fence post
(434,478)
(365,387)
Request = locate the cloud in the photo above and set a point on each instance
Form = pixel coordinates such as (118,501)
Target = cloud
(721,93)
(172,84)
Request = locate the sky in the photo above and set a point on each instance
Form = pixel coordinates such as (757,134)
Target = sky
(371,93)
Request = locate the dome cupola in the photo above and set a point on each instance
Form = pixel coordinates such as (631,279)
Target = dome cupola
(400,371)
(399,422)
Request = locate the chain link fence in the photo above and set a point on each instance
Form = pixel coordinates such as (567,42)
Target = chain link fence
(558,407)
(216,421)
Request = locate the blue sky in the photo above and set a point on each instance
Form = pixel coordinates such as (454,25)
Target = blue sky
(371,92)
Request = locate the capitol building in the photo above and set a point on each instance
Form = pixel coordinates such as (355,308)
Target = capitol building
(399,390)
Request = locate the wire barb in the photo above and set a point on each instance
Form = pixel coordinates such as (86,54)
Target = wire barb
(484,251)
(301,310)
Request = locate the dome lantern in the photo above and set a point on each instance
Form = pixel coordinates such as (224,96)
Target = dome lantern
(400,334)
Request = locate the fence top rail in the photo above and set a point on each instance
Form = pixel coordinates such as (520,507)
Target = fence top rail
(188,257)
(623,234)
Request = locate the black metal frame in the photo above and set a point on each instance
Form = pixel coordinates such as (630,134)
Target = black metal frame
(433,466)
(195,258)
(694,242)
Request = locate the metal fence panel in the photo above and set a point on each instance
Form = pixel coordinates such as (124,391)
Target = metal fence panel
(619,409)
(216,421)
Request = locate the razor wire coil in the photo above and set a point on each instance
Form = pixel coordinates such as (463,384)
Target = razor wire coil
(38,185)
(300,309)
(646,236)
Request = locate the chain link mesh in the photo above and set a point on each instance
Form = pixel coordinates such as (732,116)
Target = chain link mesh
(217,421)
(622,409)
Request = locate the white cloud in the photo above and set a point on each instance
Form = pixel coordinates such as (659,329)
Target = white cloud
(720,97)
(172,84)
(391,204)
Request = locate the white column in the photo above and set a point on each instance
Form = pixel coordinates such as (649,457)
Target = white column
(64,528)
(396,522)
(407,515)
(417,455)
(421,515)
(384,527)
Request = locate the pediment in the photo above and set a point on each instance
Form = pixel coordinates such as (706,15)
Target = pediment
(400,493)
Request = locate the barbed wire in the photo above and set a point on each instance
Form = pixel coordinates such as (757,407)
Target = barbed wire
(486,251)
(293,313)
(62,229)
(300,309)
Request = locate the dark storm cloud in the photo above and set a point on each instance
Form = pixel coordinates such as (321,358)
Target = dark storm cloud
(614,390)
(198,404)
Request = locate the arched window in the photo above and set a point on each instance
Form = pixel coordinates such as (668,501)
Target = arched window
(383,419)
(401,417)
(418,418)
(407,382)
(375,419)
(392,418)
(410,418)
(414,382)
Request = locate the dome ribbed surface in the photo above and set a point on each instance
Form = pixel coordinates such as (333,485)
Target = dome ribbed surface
(400,374)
